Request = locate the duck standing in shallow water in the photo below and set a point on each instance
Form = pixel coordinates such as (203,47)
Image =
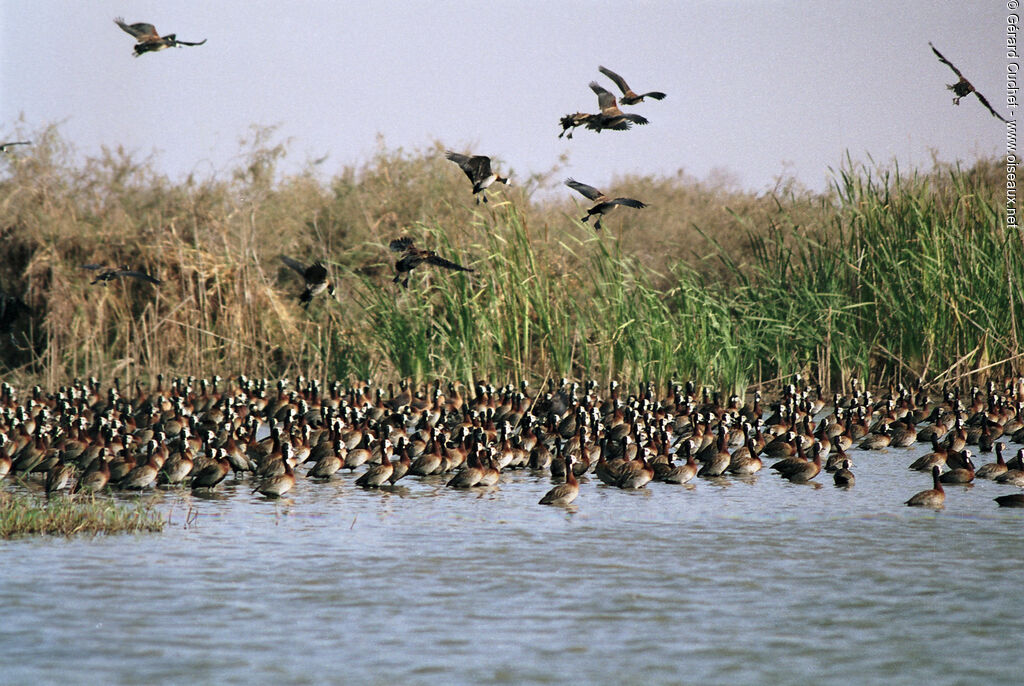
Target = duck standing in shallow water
(1012,500)
(934,497)
(993,470)
(960,475)
(279,484)
(843,477)
(563,494)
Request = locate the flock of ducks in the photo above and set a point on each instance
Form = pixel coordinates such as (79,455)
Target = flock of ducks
(196,433)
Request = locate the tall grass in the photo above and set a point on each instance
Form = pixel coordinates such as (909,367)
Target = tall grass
(886,276)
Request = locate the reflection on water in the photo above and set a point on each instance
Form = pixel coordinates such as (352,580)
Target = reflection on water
(752,580)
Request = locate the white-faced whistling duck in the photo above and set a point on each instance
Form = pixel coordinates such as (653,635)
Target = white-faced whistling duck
(563,494)
(491,472)
(962,88)
(798,469)
(1013,476)
(744,461)
(213,473)
(379,474)
(602,203)
(106,274)
(400,467)
(936,458)
(635,473)
(148,40)
(279,484)
(877,441)
(471,474)
(143,475)
(330,461)
(59,477)
(413,257)
(571,121)
(904,433)
(478,169)
(176,468)
(315,277)
(993,470)
(843,477)
(628,96)
(719,460)
(611,116)
(5,146)
(933,497)
(5,459)
(1012,500)
(96,475)
(681,473)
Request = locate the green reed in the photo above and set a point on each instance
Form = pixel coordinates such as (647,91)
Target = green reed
(886,276)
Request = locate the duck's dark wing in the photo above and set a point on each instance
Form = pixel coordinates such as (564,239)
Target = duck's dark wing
(582,188)
(601,122)
(463,161)
(447,264)
(656,95)
(10,307)
(945,61)
(619,81)
(185,42)
(294,264)
(4,146)
(400,244)
(605,100)
(628,202)
(315,273)
(475,167)
(141,31)
(985,103)
(142,276)
(636,119)
(481,166)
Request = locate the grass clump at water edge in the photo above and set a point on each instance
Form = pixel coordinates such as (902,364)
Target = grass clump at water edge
(31,515)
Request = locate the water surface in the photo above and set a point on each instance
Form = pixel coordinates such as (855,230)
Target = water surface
(723,581)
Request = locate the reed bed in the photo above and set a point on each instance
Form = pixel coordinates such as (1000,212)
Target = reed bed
(886,276)
(30,515)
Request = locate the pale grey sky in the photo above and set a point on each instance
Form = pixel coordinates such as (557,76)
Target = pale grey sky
(754,88)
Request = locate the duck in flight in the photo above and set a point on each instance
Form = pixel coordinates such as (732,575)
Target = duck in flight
(628,96)
(148,40)
(962,88)
(4,146)
(413,257)
(478,169)
(571,121)
(315,277)
(611,116)
(107,274)
(602,203)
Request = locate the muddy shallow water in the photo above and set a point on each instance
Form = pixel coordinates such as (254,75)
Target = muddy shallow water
(720,581)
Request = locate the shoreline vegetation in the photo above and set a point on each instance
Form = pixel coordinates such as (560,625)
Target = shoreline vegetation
(887,276)
(27,514)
